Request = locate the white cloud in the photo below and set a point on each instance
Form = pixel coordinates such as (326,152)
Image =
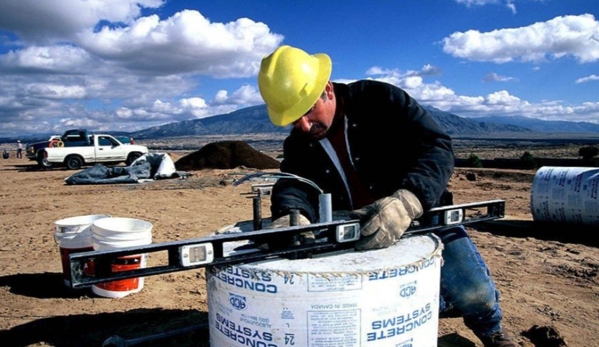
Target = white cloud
(377,70)
(470,3)
(52,91)
(67,123)
(413,83)
(477,2)
(502,98)
(430,70)
(556,38)
(246,95)
(587,79)
(196,102)
(124,113)
(164,111)
(130,73)
(51,59)
(426,70)
(50,21)
(187,42)
(500,103)
(220,97)
(510,5)
(494,77)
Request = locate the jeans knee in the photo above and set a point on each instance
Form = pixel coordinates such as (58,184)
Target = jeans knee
(477,298)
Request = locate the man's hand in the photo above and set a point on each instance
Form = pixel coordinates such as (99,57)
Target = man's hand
(284,221)
(385,220)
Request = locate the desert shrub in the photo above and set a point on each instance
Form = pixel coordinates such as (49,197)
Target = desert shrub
(474,161)
(588,152)
(528,161)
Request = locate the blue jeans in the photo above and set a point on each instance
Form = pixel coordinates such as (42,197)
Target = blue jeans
(467,288)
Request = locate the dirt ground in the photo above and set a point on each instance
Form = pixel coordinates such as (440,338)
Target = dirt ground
(548,279)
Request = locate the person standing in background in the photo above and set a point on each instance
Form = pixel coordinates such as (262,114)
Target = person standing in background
(19,149)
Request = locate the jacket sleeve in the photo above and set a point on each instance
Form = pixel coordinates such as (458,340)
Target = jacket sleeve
(434,160)
(399,143)
(290,194)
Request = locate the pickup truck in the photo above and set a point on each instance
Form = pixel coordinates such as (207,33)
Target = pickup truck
(70,138)
(101,148)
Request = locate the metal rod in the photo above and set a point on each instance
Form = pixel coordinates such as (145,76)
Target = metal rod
(117,341)
(325,207)
(257,208)
(294,217)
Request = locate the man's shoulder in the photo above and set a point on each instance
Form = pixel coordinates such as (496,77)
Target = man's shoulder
(370,84)
(370,88)
(369,92)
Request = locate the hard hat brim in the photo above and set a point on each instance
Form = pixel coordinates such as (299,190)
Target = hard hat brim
(297,111)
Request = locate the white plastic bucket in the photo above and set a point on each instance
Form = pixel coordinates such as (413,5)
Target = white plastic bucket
(386,297)
(74,235)
(117,233)
(566,195)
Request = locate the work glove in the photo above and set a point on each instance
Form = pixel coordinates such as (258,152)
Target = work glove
(384,221)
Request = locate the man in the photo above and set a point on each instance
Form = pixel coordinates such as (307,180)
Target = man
(19,149)
(381,156)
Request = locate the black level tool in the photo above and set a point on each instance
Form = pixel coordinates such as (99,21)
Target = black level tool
(239,246)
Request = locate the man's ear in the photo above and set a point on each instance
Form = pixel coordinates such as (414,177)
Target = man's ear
(329,90)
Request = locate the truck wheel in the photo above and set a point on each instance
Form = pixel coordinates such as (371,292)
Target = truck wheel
(73,162)
(132,157)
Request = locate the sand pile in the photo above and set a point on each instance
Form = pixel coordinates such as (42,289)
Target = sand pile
(226,155)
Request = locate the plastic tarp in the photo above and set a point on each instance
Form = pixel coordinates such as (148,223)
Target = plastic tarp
(147,167)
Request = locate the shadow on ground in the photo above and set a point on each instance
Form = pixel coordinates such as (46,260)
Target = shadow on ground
(32,166)
(580,234)
(47,285)
(94,329)
(134,327)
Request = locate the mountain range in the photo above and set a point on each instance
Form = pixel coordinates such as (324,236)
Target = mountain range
(543,126)
(254,119)
(249,120)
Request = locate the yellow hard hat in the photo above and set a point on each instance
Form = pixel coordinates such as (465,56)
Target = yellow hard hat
(291,81)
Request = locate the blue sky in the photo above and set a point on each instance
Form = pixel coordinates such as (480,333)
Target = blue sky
(129,65)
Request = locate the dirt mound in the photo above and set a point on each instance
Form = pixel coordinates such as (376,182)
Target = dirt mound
(226,155)
(174,156)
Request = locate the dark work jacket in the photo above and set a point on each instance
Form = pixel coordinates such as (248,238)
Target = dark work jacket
(394,144)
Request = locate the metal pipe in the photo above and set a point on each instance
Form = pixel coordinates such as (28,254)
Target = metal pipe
(117,341)
(325,208)
(257,208)
(294,217)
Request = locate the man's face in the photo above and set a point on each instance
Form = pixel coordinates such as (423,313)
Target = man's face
(319,118)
